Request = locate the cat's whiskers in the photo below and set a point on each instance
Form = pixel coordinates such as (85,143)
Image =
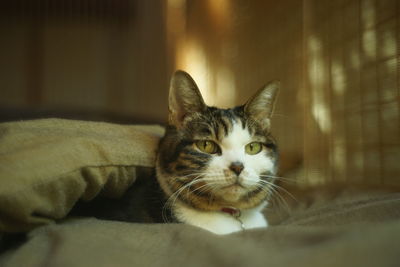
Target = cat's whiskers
(173,197)
(213,182)
(206,184)
(279,188)
(274,193)
(190,175)
(201,189)
(283,179)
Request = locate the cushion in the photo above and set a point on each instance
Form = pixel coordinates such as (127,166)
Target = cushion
(47,165)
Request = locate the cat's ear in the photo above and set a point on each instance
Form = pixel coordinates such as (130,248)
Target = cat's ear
(184,98)
(261,106)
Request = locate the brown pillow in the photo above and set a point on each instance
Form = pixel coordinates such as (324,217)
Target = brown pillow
(47,165)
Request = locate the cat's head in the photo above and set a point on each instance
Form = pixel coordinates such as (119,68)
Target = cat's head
(212,158)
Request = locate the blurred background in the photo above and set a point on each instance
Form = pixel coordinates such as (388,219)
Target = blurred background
(337,117)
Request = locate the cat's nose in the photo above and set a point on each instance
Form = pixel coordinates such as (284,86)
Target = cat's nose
(236,167)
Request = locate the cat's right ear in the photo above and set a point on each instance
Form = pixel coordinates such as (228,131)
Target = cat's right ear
(184,98)
(261,106)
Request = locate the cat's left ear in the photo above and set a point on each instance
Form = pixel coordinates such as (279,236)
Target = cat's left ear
(261,106)
(184,98)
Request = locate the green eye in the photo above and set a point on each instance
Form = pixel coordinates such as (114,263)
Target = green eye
(207,146)
(253,148)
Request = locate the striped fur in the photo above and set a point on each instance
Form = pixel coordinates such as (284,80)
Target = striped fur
(206,182)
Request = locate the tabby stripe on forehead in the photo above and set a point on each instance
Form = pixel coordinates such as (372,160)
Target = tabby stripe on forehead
(244,122)
(237,112)
(205,131)
(225,122)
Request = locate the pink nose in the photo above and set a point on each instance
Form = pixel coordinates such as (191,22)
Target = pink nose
(236,167)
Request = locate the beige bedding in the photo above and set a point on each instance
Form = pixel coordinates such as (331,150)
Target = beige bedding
(46,166)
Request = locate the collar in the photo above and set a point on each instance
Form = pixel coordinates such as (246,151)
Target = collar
(234,212)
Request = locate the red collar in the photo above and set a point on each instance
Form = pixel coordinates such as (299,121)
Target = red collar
(231,211)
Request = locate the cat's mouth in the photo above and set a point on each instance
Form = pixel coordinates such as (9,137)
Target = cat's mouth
(235,188)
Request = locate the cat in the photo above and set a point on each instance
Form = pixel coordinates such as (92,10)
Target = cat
(215,168)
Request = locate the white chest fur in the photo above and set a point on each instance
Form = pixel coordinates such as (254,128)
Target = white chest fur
(219,222)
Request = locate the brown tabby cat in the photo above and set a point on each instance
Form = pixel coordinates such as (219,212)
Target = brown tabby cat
(217,166)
